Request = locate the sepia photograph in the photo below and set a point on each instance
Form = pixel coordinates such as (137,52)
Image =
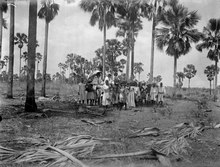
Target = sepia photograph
(109,83)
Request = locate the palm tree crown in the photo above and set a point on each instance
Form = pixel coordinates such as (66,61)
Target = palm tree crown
(177,32)
(48,10)
(99,9)
(211,39)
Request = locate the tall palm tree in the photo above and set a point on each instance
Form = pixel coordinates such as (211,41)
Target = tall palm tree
(20,39)
(211,42)
(11,50)
(103,13)
(138,69)
(210,72)
(151,12)
(177,32)
(47,12)
(3,8)
(129,23)
(30,104)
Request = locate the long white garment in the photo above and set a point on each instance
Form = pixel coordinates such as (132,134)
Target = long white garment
(153,93)
(105,98)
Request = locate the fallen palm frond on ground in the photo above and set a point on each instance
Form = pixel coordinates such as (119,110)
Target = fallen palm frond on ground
(146,132)
(175,140)
(48,154)
(7,155)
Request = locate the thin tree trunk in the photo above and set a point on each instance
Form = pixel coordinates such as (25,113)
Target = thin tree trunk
(11,51)
(132,52)
(20,65)
(104,48)
(1,29)
(139,76)
(210,87)
(216,82)
(128,64)
(189,84)
(37,66)
(43,91)
(152,49)
(174,75)
(30,104)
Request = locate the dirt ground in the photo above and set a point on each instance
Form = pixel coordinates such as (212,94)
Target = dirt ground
(61,120)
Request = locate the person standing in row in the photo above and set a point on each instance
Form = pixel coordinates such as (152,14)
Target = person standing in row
(161,92)
(82,91)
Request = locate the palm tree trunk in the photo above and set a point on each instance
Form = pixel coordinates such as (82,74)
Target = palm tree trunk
(132,55)
(104,40)
(11,51)
(216,81)
(20,65)
(128,64)
(189,84)
(43,91)
(1,22)
(174,75)
(152,49)
(37,66)
(30,104)
(210,87)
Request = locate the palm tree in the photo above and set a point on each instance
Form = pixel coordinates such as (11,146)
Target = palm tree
(30,104)
(180,76)
(152,11)
(11,50)
(48,12)
(176,32)
(129,23)
(38,58)
(138,69)
(103,13)
(6,58)
(210,72)
(189,72)
(25,57)
(3,8)
(20,39)
(211,42)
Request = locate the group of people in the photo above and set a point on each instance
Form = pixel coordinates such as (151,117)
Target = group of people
(115,93)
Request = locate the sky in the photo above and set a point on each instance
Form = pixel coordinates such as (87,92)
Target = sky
(70,32)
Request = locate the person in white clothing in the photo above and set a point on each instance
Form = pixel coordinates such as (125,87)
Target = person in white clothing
(153,93)
(161,92)
(106,98)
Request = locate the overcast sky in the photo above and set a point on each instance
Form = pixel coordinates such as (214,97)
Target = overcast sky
(70,32)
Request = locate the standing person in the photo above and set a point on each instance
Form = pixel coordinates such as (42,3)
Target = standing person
(153,93)
(161,92)
(105,98)
(90,93)
(82,91)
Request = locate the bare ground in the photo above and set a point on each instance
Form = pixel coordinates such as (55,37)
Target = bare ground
(62,121)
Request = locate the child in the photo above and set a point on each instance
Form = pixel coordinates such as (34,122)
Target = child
(90,93)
